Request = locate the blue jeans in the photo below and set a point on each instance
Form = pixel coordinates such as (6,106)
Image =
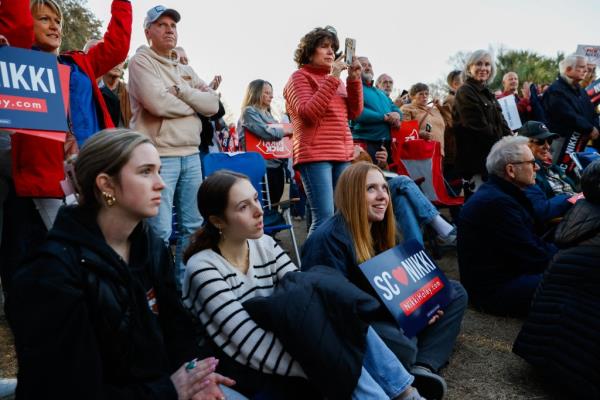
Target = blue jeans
(319,180)
(182,177)
(411,207)
(382,376)
(433,346)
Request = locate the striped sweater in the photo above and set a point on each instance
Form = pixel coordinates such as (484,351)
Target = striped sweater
(214,291)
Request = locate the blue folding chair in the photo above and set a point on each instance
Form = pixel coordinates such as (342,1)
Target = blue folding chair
(252,165)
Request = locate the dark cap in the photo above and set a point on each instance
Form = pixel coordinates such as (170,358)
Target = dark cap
(157,11)
(536,130)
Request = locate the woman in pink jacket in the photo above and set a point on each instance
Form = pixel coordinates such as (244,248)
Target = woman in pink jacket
(320,106)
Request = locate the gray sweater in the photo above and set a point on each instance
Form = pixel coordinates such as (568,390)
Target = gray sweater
(257,122)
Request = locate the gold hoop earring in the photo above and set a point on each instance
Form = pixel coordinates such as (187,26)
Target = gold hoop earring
(109,199)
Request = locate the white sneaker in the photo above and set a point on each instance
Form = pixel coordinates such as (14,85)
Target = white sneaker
(447,241)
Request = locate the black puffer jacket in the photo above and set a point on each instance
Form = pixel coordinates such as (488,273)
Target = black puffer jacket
(478,124)
(561,336)
(89,326)
(322,320)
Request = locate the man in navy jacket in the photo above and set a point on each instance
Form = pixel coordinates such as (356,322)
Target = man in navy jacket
(567,106)
(500,257)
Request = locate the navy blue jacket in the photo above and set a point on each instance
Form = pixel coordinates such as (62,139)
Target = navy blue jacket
(496,239)
(568,109)
(546,209)
(560,336)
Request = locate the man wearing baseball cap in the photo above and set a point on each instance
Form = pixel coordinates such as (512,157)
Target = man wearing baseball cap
(549,196)
(166,100)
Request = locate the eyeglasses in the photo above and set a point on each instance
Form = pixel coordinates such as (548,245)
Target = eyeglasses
(541,142)
(532,162)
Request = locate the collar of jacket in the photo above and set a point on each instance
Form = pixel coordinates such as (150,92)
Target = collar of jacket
(512,190)
(568,82)
(316,70)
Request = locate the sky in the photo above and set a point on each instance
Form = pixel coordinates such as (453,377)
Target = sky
(410,40)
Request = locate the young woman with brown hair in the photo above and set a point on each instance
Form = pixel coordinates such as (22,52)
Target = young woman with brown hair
(363,227)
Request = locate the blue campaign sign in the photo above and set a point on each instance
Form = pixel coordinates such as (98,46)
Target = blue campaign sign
(409,283)
(30,91)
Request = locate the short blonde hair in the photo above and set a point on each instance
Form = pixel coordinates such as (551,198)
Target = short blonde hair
(53,5)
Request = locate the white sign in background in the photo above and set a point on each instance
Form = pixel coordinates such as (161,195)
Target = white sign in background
(510,112)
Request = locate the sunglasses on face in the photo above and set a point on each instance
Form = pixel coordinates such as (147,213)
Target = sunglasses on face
(541,142)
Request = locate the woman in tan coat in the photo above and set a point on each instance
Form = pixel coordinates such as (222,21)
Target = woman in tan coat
(431,122)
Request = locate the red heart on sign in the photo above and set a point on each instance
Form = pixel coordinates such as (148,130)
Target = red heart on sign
(400,275)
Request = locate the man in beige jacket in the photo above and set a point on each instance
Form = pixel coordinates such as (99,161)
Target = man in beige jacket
(166,99)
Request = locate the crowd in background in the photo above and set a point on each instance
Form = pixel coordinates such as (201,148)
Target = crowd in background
(94,288)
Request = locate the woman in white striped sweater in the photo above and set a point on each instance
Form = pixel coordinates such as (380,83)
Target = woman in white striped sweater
(229,261)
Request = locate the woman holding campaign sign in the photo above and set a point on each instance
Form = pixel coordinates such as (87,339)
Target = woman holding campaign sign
(258,120)
(269,325)
(38,26)
(431,122)
(320,106)
(362,228)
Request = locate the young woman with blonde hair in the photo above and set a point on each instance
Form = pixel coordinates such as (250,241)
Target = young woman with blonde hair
(363,227)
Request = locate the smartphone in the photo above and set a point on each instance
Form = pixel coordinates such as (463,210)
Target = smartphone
(350,50)
(427,128)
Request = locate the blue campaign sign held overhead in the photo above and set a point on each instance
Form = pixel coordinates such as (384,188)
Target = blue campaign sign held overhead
(30,91)
(409,283)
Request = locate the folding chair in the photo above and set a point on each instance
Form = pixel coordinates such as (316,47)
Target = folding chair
(583,159)
(252,165)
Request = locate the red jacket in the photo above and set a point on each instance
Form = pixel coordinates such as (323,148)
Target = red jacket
(16,23)
(320,107)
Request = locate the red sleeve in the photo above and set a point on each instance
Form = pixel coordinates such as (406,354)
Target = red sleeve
(16,23)
(309,104)
(355,98)
(115,47)
(523,106)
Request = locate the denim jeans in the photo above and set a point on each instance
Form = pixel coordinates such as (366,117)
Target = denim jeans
(433,346)
(382,376)
(411,207)
(182,177)
(319,180)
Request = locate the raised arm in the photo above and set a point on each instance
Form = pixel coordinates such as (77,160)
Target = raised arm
(16,23)
(115,46)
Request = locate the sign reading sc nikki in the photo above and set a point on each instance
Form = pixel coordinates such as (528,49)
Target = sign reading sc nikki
(30,91)
(409,283)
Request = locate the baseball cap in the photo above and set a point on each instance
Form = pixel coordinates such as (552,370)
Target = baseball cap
(157,11)
(536,130)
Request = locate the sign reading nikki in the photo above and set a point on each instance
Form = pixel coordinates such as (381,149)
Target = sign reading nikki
(409,283)
(270,149)
(30,91)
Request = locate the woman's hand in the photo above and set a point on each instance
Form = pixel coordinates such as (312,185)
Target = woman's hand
(425,135)
(354,70)
(439,314)
(381,155)
(338,66)
(196,380)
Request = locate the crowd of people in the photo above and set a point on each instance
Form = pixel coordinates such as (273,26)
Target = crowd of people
(93,286)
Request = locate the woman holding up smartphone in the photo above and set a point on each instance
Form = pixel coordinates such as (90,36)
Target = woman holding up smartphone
(320,106)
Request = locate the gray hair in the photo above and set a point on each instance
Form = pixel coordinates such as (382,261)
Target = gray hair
(507,150)
(569,61)
(476,56)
